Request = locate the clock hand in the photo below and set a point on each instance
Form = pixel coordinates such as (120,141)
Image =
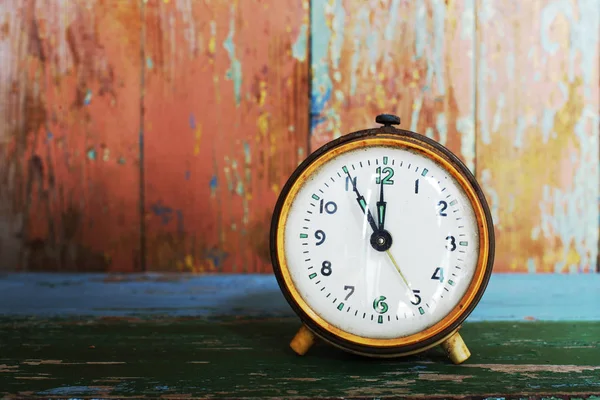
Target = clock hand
(361,202)
(378,232)
(401,274)
(381,207)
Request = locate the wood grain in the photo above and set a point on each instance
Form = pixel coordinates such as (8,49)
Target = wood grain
(410,58)
(250,358)
(537,124)
(69,168)
(225,124)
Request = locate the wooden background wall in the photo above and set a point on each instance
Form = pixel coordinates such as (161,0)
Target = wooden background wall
(156,134)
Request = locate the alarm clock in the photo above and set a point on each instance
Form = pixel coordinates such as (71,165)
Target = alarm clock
(382,242)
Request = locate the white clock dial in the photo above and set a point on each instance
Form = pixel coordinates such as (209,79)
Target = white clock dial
(367,289)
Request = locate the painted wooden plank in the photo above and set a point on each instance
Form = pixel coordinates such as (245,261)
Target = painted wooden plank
(410,58)
(538,129)
(243,358)
(70,170)
(225,124)
(509,297)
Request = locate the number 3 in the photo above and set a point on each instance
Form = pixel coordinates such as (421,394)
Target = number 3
(452,243)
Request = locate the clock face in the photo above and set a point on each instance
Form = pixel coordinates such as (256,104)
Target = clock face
(381,242)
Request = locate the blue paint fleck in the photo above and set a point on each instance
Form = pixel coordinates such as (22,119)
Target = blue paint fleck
(149,63)
(91,154)
(317,106)
(299,50)
(320,47)
(531,265)
(49,136)
(88,97)
(188,174)
(247,155)
(192,121)
(213,183)
(165,213)
(217,256)
(66,390)
(234,73)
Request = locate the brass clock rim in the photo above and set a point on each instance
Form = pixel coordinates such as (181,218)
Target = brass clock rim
(475,288)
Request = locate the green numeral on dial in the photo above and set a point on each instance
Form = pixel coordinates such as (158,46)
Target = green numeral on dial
(387,179)
(379,305)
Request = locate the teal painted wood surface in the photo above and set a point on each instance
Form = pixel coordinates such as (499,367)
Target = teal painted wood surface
(185,336)
(250,358)
(519,297)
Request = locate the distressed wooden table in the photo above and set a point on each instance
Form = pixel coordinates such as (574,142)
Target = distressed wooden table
(97,336)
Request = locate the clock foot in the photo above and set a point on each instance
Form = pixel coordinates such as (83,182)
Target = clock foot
(303,340)
(456,349)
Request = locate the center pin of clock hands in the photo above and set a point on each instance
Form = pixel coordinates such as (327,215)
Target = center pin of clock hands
(381,240)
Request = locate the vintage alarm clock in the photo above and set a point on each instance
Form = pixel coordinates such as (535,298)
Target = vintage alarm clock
(382,242)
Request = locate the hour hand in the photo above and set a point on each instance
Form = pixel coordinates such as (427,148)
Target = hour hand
(362,202)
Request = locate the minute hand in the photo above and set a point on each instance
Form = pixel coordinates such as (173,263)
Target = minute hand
(362,202)
(381,207)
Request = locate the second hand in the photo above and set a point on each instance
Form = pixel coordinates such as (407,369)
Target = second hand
(401,274)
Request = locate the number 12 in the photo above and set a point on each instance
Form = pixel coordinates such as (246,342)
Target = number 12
(387,180)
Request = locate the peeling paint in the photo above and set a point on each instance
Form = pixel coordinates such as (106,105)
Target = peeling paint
(299,48)
(498,115)
(234,73)
(442,128)
(531,266)
(321,36)
(416,109)
(546,117)
(91,154)
(466,128)
(493,200)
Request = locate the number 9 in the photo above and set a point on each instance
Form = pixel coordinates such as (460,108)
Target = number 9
(320,236)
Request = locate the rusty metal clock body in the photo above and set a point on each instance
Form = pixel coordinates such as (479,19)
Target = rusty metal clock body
(382,242)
